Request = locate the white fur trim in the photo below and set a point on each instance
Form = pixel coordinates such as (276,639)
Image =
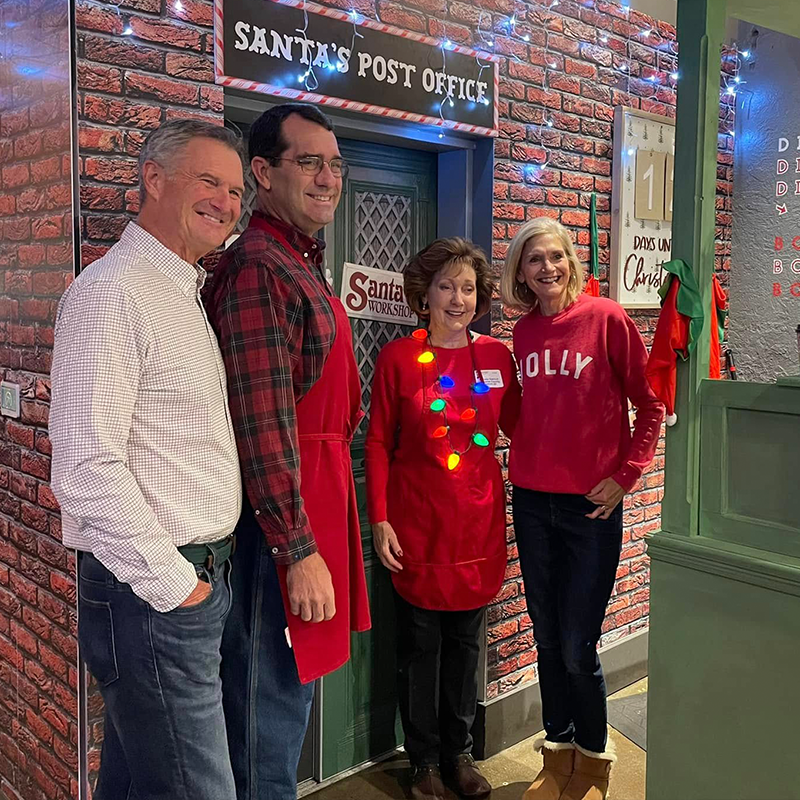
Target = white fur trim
(541,743)
(671,419)
(610,753)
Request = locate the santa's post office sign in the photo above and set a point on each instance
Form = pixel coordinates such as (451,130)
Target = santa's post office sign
(302,51)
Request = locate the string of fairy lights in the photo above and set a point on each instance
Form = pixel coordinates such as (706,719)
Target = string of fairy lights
(505,34)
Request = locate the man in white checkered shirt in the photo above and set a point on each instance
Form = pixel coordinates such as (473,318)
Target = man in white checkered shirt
(146,471)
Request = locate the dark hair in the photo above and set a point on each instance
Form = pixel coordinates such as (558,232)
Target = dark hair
(266,134)
(165,143)
(440,254)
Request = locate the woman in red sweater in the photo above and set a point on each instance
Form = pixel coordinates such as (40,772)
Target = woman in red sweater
(573,459)
(437,503)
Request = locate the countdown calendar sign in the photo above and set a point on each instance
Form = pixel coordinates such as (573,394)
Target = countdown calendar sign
(641,206)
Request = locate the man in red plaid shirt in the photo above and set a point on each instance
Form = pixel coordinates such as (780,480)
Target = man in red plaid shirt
(294,393)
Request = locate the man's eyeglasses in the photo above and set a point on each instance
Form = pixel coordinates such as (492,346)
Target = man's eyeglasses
(312,165)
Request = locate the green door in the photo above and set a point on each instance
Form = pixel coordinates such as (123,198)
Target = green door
(387,213)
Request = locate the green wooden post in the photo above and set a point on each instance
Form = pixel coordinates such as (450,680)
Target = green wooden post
(701,24)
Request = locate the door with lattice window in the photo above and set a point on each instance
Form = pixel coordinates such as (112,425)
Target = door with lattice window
(387,213)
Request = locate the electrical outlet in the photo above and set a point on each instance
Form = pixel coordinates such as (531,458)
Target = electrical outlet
(9,399)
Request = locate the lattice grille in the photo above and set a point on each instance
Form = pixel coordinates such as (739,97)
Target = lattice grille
(248,201)
(383,239)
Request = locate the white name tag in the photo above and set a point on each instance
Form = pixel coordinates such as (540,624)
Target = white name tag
(493,378)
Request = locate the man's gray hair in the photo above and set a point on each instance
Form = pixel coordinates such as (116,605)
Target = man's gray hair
(164,144)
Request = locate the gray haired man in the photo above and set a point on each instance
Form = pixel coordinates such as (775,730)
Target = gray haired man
(146,471)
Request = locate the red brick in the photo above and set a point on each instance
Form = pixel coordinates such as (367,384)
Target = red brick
(566,122)
(14,122)
(163,89)
(63,587)
(10,604)
(99,78)
(542,97)
(580,68)
(37,623)
(23,638)
(198,13)
(212,98)
(112,111)
(558,197)
(528,73)
(597,167)
(46,228)
(105,226)
(90,17)
(171,33)
(123,52)
(22,487)
(450,30)
(28,146)
(577,105)
(112,170)
(508,211)
(8,205)
(47,169)
(15,175)
(189,67)
(105,140)
(562,44)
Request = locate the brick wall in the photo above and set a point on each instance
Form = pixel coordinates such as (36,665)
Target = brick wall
(145,61)
(38,677)
(130,84)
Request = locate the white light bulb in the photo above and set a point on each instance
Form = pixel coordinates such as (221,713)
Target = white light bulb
(737,79)
(178,5)
(448,43)
(746,53)
(128,31)
(631,151)
(526,38)
(675,76)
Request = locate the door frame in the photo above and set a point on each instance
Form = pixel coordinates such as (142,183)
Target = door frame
(465,186)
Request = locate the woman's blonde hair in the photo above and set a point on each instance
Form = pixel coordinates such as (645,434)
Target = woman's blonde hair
(519,295)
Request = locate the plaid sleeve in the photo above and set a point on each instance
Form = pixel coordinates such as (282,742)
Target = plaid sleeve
(259,323)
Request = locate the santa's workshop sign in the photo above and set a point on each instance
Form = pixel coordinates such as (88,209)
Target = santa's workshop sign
(375,294)
(303,51)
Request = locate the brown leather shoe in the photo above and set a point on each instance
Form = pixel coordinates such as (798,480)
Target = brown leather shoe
(464,777)
(426,783)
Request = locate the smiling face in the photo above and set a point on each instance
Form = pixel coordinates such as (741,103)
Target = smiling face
(307,202)
(544,268)
(193,204)
(452,299)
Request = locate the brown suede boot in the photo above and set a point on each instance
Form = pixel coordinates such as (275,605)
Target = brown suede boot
(554,776)
(464,777)
(590,778)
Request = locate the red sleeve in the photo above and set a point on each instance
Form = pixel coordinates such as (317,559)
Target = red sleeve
(260,329)
(512,401)
(381,436)
(628,356)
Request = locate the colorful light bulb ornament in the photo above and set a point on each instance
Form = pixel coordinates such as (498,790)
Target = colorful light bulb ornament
(439,405)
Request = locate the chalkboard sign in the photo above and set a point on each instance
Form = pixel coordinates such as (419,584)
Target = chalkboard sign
(303,51)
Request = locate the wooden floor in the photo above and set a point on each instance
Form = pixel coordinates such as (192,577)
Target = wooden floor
(510,772)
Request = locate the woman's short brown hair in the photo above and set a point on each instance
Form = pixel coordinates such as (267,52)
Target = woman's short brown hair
(444,254)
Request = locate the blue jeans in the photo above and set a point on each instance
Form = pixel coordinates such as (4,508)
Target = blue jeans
(569,565)
(159,677)
(266,706)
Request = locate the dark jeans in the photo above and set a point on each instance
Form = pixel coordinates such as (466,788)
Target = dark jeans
(159,677)
(569,564)
(437,680)
(266,706)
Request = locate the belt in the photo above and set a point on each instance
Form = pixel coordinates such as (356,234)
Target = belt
(210,554)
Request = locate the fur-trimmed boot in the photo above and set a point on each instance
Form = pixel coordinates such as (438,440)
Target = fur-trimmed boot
(590,777)
(554,776)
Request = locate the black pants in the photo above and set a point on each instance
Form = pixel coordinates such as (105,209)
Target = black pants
(569,564)
(437,680)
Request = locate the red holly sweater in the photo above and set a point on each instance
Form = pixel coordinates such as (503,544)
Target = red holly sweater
(579,368)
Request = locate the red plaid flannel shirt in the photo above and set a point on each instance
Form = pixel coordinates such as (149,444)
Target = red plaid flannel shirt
(275,330)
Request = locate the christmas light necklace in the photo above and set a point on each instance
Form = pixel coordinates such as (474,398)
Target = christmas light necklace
(439,405)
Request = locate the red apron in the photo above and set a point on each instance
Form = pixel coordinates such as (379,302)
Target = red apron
(327,418)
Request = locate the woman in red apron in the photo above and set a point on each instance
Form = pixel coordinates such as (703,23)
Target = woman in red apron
(437,504)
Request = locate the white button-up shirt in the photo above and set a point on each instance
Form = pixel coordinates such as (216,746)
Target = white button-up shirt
(144,458)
